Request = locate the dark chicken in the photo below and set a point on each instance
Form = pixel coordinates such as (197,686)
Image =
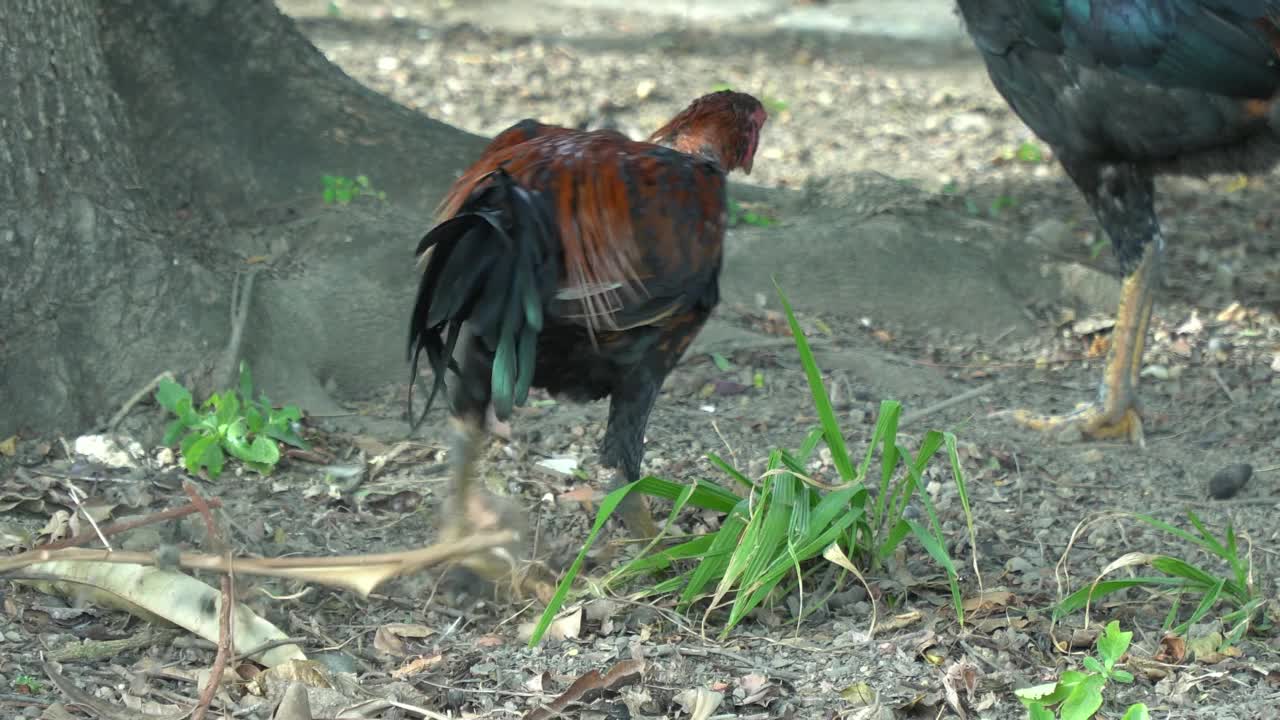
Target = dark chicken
(1123,91)
(584,263)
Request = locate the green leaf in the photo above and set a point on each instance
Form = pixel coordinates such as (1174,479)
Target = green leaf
(226,407)
(1137,711)
(330,196)
(202,451)
(172,431)
(1112,643)
(237,440)
(1029,152)
(1039,712)
(168,393)
(1122,676)
(254,420)
(1092,664)
(214,460)
(1084,700)
(722,363)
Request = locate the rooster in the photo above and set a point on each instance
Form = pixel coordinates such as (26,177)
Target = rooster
(1123,91)
(584,263)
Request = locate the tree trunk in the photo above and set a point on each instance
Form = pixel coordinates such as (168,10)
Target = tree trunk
(151,149)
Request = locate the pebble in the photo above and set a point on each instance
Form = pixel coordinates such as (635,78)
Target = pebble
(1229,480)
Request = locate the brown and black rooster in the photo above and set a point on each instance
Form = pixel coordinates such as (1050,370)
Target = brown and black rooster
(584,263)
(1125,90)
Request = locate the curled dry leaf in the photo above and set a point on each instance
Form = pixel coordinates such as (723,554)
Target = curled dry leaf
(389,639)
(700,703)
(1173,650)
(960,676)
(589,686)
(566,626)
(989,602)
(755,689)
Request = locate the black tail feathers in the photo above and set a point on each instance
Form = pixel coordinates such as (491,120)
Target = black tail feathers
(491,267)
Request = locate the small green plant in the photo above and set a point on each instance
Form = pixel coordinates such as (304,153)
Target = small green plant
(1077,695)
(740,215)
(787,519)
(1029,152)
(26,684)
(341,190)
(228,422)
(1234,587)
(1000,204)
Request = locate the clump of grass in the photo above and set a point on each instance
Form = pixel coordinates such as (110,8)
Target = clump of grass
(1234,587)
(768,538)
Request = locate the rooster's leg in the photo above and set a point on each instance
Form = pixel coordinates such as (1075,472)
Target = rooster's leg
(468,510)
(623,448)
(1122,198)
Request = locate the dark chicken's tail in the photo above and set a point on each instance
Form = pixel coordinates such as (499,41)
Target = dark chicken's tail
(491,267)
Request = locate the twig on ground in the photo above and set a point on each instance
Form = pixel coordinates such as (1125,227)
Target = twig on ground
(137,398)
(119,527)
(224,615)
(925,412)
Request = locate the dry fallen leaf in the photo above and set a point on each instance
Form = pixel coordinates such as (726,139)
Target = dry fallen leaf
(389,639)
(417,666)
(989,602)
(619,676)
(700,703)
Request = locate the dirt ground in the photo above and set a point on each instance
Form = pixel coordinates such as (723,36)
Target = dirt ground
(898,127)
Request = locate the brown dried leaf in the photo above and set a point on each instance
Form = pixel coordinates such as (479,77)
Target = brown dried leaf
(1173,650)
(390,638)
(593,683)
(989,602)
(417,666)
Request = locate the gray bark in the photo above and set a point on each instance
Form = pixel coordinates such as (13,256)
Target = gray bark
(148,149)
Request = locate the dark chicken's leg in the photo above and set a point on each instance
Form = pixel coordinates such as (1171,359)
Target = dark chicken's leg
(1122,197)
(623,446)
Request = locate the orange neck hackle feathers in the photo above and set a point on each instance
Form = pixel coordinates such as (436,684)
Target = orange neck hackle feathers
(722,126)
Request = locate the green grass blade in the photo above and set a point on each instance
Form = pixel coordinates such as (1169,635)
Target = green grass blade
(731,471)
(1207,537)
(706,496)
(607,506)
(1175,531)
(821,401)
(1078,599)
(1206,604)
(716,559)
(783,564)
(890,412)
(772,534)
(962,490)
(809,445)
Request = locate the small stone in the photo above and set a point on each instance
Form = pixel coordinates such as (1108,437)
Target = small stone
(1229,480)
